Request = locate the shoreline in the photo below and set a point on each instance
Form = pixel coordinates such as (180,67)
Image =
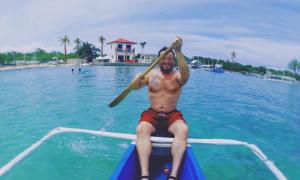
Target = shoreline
(21,67)
(122,64)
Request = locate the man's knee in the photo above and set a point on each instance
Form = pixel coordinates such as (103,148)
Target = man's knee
(144,129)
(183,131)
(180,130)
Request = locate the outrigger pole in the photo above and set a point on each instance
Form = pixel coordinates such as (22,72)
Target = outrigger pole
(272,167)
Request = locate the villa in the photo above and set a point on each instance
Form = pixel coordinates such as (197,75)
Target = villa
(121,50)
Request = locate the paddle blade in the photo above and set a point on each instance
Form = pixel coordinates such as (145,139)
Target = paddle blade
(118,99)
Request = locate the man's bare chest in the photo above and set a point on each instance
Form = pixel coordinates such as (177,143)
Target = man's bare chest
(160,84)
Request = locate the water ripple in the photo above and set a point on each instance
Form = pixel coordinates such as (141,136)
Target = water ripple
(228,105)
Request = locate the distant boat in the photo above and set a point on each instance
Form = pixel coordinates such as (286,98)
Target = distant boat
(277,78)
(206,67)
(86,64)
(218,68)
(194,64)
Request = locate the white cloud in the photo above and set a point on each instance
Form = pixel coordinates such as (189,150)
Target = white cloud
(250,50)
(31,24)
(254,51)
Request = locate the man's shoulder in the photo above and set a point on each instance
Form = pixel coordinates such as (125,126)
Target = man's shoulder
(154,72)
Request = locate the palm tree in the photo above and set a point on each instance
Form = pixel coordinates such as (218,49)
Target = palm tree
(233,55)
(101,39)
(64,41)
(143,44)
(126,52)
(116,51)
(133,52)
(294,65)
(77,41)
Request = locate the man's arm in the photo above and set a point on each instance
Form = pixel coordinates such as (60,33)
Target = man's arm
(183,66)
(139,81)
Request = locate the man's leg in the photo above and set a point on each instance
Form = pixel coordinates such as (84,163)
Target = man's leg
(180,131)
(143,145)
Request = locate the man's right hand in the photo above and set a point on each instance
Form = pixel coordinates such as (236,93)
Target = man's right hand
(137,81)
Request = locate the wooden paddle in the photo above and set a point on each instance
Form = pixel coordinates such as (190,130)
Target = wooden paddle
(130,87)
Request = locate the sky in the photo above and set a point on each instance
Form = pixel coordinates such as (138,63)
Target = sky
(261,32)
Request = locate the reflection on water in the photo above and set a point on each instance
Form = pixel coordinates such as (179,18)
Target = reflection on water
(123,75)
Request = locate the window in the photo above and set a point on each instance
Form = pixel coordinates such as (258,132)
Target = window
(128,47)
(120,47)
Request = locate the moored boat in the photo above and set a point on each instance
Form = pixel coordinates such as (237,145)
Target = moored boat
(278,78)
(194,64)
(206,67)
(218,68)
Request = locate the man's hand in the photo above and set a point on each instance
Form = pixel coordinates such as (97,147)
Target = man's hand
(138,81)
(177,44)
(183,66)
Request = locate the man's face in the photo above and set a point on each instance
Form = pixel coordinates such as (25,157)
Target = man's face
(167,64)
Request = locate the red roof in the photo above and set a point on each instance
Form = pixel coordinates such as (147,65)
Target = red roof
(122,41)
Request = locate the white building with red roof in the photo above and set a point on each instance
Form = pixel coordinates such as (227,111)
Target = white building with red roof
(122,50)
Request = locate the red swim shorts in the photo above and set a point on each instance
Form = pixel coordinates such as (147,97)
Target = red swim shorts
(161,120)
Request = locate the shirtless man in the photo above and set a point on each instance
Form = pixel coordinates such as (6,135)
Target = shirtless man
(164,90)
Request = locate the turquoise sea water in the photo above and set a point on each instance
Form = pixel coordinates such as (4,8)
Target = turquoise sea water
(229,105)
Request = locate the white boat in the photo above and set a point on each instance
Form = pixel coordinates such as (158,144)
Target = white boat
(86,64)
(218,68)
(207,67)
(277,78)
(190,166)
(194,64)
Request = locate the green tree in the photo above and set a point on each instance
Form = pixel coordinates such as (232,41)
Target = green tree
(77,42)
(101,40)
(143,44)
(40,51)
(88,51)
(233,55)
(2,58)
(64,41)
(294,65)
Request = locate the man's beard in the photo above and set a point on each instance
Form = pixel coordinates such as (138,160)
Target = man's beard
(166,71)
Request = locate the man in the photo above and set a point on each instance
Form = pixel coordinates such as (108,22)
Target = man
(164,86)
